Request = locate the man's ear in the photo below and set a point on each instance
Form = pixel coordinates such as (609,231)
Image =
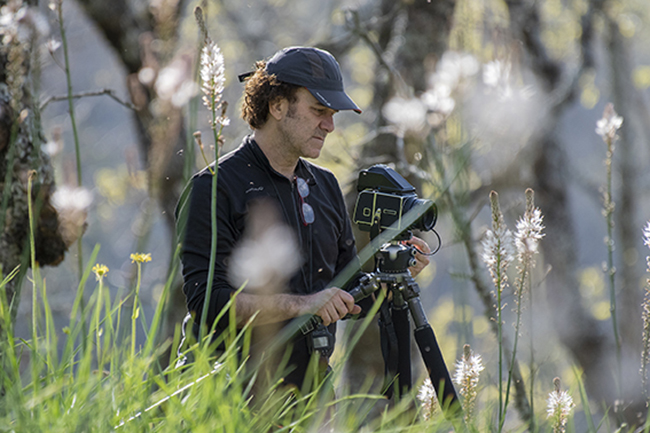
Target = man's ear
(278,108)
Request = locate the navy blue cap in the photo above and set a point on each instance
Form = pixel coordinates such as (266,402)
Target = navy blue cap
(317,71)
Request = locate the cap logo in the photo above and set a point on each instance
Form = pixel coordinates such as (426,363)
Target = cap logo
(322,98)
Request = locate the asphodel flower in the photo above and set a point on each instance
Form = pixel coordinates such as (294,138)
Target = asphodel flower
(213,79)
(468,369)
(428,399)
(529,232)
(498,245)
(611,122)
(560,404)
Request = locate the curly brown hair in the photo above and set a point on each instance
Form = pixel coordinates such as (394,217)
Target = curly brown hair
(262,89)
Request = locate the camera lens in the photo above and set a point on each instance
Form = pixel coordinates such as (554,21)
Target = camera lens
(428,210)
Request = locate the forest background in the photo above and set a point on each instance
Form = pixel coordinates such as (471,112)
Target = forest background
(463,97)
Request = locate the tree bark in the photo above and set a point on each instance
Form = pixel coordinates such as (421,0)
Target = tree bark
(20,158)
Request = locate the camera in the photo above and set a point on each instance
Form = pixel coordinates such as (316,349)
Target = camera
(385,198)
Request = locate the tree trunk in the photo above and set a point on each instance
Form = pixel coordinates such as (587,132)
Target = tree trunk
(132,29)
(20,158)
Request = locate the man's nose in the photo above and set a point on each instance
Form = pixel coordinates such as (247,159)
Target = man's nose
(327,124)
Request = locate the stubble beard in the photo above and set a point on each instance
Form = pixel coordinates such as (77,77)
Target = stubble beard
(293,143)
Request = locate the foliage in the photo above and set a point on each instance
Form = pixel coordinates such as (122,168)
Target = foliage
(108,387)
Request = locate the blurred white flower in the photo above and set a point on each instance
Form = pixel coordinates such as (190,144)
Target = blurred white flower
(428,399)
(646,234)
(19,23)
(439,99)
(268,255)
(174,81)
(496,73)
(9,17)
(611,122)
(52,147)
(560,404)
(184,93)
(52,45)
(453,68)
(447,83)
(70,198)
(72,206)
(497,78)
(146,75)
(405,114)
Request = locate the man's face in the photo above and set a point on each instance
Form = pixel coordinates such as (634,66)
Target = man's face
(305,125)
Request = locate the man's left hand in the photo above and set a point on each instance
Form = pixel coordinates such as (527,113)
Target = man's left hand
(420,258)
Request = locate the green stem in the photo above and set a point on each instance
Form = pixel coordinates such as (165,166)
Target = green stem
(75,134)
(499,288)
(134,314)
(611,270)
(520,290)
(98,309)
(213,224)
(70,92)
(532,426)
(35,278)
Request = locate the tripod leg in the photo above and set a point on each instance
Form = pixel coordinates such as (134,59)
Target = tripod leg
(435,364)
(430,350)
(403,331)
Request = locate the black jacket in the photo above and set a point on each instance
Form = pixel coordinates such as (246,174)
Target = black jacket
(245,175)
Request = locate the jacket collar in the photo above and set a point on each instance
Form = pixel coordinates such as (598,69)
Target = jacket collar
(303,169)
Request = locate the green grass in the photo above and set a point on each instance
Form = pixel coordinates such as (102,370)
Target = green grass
(109,387)
(54,382)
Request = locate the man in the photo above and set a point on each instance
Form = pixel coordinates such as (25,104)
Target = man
(289,102)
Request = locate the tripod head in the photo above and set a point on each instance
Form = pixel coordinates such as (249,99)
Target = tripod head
(395,257)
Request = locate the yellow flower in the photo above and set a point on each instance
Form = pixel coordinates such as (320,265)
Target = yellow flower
(140,257)
(100,270)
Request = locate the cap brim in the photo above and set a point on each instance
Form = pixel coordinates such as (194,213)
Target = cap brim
(334,99)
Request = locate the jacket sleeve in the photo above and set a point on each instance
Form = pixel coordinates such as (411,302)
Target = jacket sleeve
(194,219)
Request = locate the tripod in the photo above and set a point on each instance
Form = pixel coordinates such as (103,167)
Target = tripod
(393,260)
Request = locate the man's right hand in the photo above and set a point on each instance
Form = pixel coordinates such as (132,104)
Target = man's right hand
(332,305)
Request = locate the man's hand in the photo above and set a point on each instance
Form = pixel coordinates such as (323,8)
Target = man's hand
(421,259)
(332,304)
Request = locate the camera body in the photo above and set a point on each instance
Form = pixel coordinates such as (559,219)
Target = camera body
(385,198)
